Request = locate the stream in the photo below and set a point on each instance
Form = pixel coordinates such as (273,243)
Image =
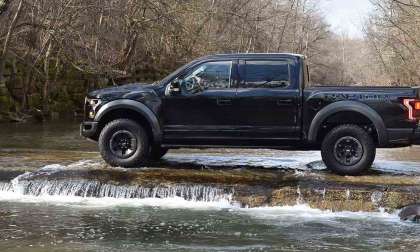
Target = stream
(38,213)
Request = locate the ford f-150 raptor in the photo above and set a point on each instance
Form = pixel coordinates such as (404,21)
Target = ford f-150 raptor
(250,101)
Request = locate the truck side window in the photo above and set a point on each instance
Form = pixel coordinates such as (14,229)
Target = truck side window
(210,75)
(265,74)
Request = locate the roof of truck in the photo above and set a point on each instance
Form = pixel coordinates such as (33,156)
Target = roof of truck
(256,55)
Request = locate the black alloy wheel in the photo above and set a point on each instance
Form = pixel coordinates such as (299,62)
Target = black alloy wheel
(348,150)
(124,142)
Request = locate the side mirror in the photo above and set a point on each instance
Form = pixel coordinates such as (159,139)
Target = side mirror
(201,75)
(175,87)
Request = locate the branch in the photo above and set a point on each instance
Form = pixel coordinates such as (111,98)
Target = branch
(406,4)
(11,28)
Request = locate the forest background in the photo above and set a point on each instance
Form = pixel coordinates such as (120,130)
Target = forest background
(53,51)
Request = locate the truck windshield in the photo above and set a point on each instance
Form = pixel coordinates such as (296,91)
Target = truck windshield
(177,72)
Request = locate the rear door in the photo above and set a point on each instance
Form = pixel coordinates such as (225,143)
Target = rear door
(267,100)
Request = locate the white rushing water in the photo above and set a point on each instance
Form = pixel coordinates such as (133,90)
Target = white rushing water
(96,194)
(92,193)
(290,215)
(96,189)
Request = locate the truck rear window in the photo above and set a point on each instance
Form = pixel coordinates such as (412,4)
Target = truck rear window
(265,74)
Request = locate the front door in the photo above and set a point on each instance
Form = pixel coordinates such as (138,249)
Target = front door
(202,113)
(268,100)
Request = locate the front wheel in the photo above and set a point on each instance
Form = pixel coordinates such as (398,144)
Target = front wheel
(348,150)
(124,143)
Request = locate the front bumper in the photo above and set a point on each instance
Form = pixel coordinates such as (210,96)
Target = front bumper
(89,129)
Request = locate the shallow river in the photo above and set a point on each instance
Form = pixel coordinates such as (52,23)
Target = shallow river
(75,223)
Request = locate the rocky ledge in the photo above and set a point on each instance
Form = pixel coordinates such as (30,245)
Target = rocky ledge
(247,186)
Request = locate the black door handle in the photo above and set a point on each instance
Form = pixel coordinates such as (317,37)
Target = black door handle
(224,101)
(284,101)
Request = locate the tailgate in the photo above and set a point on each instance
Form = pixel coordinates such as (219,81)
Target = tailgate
(416,139)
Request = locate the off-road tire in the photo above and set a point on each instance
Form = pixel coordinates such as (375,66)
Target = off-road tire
(140,151)
(157,152)
(332,144)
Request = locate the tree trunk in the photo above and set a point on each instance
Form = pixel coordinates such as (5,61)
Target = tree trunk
(46,86)
(7,40)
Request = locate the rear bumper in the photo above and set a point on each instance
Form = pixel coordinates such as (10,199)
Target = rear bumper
(416,136)
(403,137)
(89,129)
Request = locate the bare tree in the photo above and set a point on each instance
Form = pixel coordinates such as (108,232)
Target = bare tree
(57,48)
(394,36)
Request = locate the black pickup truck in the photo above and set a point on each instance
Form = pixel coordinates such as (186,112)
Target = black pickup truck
(250,101)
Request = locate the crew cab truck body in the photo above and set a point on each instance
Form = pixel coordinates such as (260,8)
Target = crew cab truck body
(250,101)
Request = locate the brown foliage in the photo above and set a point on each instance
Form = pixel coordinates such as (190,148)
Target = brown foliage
(56,47)
(393,34)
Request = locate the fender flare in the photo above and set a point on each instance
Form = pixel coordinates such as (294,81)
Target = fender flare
(348,106)
(138,107)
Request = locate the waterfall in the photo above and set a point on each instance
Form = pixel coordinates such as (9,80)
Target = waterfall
(97,189)
(6,187)
(299,199)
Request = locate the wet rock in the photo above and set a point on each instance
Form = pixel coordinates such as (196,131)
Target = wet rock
(249,185)
(37,115)
(411,212)
(246,187)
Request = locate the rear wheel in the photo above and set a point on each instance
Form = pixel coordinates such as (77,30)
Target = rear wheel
(124,143)
(348,150)
(157,152)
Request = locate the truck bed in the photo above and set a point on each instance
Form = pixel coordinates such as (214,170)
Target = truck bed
(394,91)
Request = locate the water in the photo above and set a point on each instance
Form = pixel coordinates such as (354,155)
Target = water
(84,188)
(62,219)
(92,215)
(77,224)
